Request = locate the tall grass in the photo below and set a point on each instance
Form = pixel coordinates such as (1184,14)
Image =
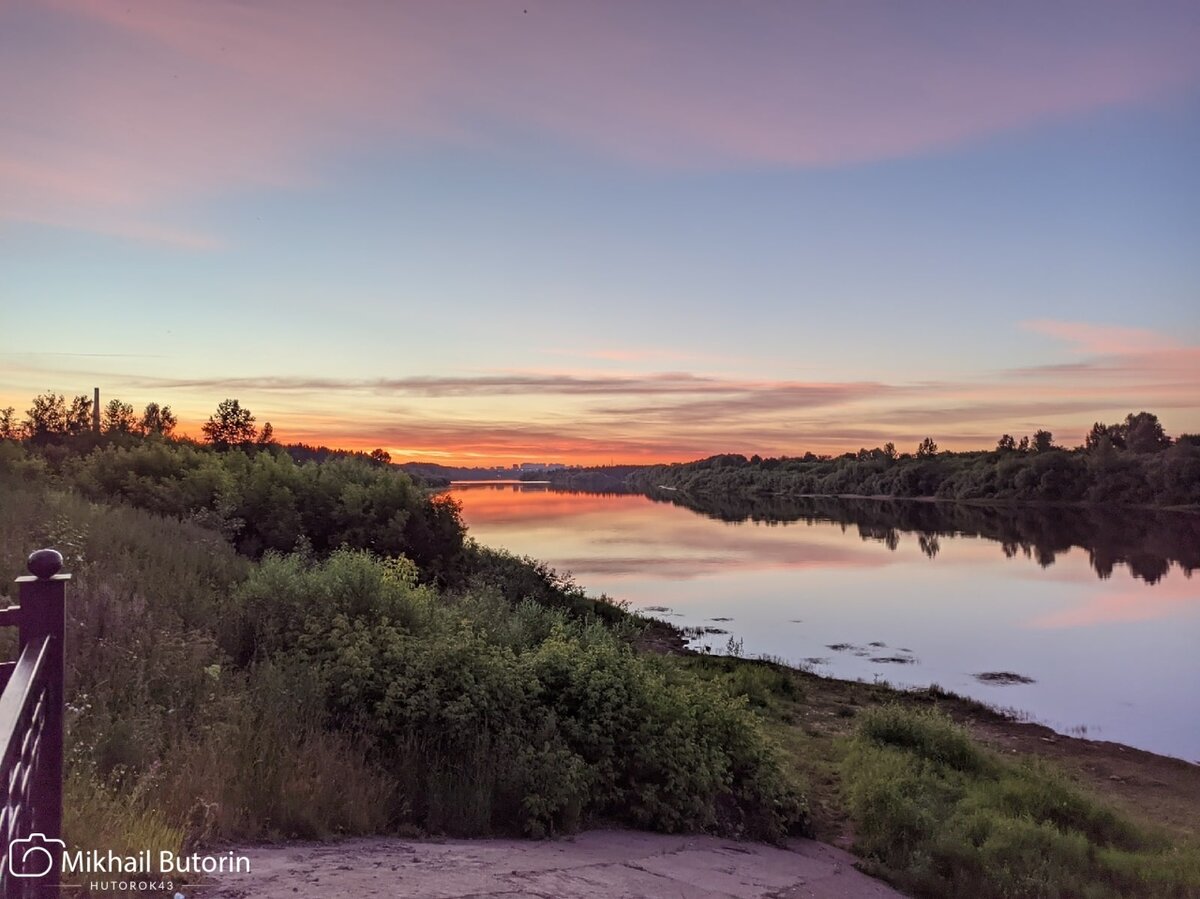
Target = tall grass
(168,742)
(942,817)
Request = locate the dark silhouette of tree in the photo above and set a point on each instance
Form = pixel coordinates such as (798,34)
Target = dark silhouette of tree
(51,415)
(1106,475)
(10,429)
(46,416)
(119,418)
(157,419)
(889,450)
(266,437)
(1144,433)
(382,456)
(927,449)
(1006,444)
(1100,434)
(79,415)
(229,426)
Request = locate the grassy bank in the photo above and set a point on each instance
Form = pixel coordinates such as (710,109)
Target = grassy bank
(945,798)
(221,695)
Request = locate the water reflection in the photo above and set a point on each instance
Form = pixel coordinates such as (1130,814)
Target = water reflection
(1148,542)
(1094,612)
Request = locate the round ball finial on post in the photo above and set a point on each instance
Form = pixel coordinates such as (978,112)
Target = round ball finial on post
(44,563)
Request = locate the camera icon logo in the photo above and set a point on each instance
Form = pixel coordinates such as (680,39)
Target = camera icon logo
(33,856)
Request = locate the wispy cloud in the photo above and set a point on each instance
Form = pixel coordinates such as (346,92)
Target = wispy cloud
(36,355)
(656,384)
(593,416)
(644,355)
(116,117)
(1103,340)
(1162,364)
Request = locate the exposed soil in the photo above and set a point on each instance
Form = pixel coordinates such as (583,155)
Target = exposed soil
(663,638)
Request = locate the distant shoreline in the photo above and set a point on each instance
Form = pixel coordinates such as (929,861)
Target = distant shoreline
(949,500)
(1191,508)
(499,481)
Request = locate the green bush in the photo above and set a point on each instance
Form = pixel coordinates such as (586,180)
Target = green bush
(261,500)
(550,720)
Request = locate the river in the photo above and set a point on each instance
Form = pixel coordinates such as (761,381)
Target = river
(1094,613)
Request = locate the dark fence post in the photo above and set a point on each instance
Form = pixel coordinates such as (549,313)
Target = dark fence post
(43,614)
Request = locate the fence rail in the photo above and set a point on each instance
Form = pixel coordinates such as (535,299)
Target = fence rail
(31,734)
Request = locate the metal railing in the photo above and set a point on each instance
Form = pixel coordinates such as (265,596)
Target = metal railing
(31,734)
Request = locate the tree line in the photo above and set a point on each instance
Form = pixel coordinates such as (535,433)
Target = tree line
(51,416)
(1133,462)
(238,480)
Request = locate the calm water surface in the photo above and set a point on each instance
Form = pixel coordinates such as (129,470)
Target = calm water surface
(1100,612)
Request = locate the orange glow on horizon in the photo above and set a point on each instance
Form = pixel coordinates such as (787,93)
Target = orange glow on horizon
(594,417)
(491,451)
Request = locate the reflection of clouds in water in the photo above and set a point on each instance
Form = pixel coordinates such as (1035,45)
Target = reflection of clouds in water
(752,545)
(678,568)
(1169,598)
(719,556)
(627,535)
(1147,542)
(485,504)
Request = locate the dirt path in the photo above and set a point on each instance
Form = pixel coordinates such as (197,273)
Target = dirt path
(602,864)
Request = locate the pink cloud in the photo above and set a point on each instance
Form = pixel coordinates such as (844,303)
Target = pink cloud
(593,416)
(119,116)
(1103,339)
(1134,362)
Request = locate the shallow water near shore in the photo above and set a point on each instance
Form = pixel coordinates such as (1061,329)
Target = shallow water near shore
(1086,621)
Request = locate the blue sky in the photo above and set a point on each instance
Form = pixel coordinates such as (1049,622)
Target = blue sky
(502,245)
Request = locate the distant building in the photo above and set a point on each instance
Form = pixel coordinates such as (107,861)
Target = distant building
(526,467)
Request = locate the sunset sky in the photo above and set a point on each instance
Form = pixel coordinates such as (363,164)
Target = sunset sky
(495,232)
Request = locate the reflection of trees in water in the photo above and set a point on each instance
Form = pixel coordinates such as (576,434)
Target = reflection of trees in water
(1149,542)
